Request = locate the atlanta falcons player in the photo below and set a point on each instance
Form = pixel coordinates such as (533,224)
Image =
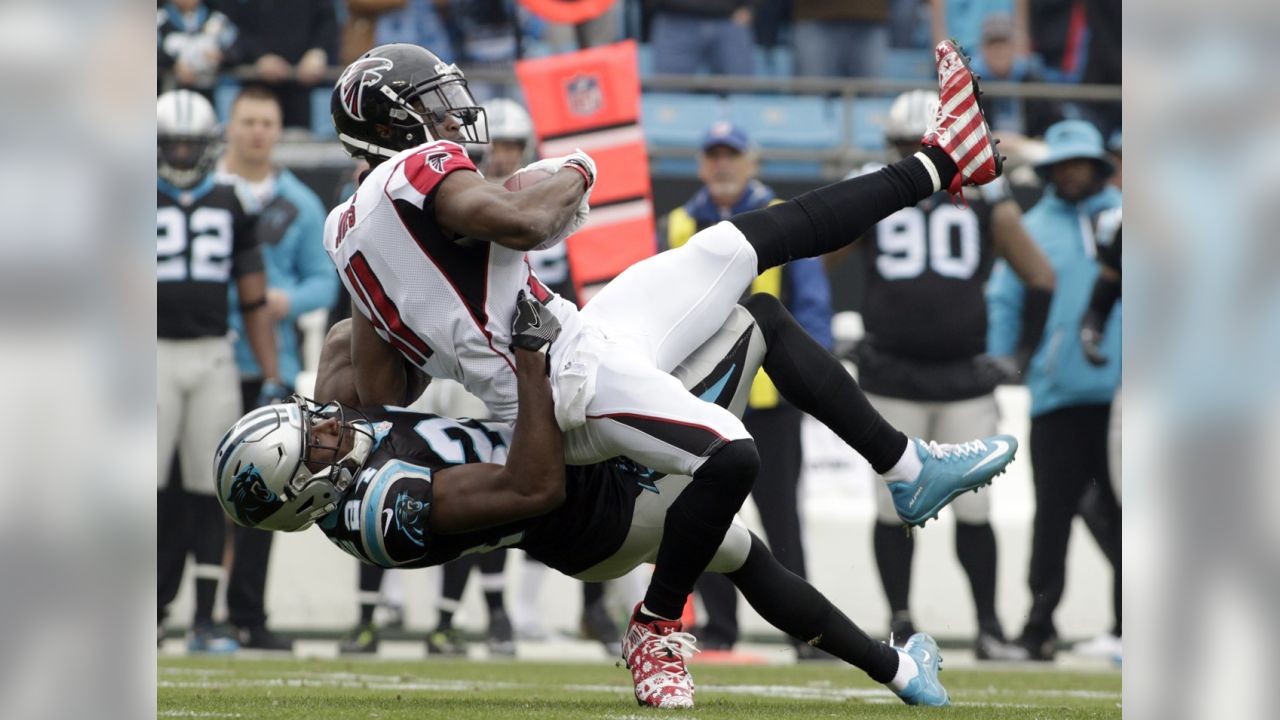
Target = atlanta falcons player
(434,259)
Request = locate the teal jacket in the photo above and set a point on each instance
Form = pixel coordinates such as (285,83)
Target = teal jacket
(291,231)
(1059,376)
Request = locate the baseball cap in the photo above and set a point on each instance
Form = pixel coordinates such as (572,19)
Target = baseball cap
(725,133)
(997,27)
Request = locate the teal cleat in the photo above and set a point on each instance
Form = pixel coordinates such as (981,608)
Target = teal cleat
(924,689)
(206,639)
(947,471)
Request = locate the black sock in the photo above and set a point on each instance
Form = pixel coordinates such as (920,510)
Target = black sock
(206,592)
(697,522)
(814,381)
(976,548)
(370,582)
(455,583)
(592,593)
(795,607)
(835,215)
(209,533)
(894,548)
(493,579)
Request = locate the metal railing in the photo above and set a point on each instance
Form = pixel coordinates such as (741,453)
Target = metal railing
(302,149)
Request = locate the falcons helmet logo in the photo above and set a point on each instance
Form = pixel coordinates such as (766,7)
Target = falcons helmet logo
(360,74)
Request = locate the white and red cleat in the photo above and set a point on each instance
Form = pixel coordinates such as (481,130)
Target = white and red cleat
(959,128)
(655,654)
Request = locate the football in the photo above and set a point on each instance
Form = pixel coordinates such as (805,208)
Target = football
(526,178)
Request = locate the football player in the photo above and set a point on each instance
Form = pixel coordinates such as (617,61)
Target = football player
(402,489)
(923,360)
(432,256)
(204,242)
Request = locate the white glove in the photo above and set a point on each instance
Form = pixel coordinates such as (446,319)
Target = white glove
(578,158)
(582,161)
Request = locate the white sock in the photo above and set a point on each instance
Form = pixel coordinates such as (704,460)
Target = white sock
(908,466)
(933,171)
(907,671)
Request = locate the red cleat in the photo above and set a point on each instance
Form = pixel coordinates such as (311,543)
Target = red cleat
(655,654)
(959,128)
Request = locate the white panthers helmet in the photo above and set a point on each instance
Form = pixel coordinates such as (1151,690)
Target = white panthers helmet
(188,135)
(261,466)
(910,115)
(508,120)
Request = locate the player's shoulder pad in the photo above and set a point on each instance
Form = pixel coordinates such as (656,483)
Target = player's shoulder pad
(1108,226)
(427,165)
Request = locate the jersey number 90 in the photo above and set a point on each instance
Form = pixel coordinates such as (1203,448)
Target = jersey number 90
(945,240)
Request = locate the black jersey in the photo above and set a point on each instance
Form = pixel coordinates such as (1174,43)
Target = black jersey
(926,270)
(383,518)
(204,238)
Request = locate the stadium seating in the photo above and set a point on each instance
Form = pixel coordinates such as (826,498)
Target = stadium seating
(869,115)
(787,121)
(223,95)
(678,119)
(321,124)
(909,64)
(778,61)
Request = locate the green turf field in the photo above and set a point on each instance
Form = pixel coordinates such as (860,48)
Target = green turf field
(387,690)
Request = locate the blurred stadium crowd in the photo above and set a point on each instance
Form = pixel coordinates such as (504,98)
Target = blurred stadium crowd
(743,101)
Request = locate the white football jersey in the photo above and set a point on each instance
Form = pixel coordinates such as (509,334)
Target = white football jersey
(445,304)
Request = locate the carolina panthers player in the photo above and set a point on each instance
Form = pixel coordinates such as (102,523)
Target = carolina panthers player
(432,256)
(922,361)
(402,489)
(204,242)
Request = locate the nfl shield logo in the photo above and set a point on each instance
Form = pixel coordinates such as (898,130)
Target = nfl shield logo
(583,93)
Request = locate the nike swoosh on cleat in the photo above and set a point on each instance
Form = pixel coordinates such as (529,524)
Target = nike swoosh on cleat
(1001,446)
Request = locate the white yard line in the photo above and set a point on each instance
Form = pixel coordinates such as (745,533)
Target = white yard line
(401,683)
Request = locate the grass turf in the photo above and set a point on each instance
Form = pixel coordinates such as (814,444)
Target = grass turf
(313,689)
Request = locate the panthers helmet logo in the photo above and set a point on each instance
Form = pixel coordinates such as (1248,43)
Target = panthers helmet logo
(251,498)
(359,75)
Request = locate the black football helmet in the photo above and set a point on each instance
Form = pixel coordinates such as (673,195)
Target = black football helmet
(399,96)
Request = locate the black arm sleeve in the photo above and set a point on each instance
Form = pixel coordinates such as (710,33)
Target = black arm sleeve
(1035,313)
(1105,294)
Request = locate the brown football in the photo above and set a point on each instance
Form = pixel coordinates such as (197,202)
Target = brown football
(526,179)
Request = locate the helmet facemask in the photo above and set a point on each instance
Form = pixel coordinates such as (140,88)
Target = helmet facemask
(430,103)
(341,469)
(185,159)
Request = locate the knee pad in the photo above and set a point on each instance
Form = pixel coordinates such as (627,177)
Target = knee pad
(725,242)
(733,467)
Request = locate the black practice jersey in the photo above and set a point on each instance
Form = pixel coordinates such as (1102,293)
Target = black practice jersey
(926,270)
(384,516)
(204,238)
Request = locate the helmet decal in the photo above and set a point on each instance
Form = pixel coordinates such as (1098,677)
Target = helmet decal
(360,74)
(251,498)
